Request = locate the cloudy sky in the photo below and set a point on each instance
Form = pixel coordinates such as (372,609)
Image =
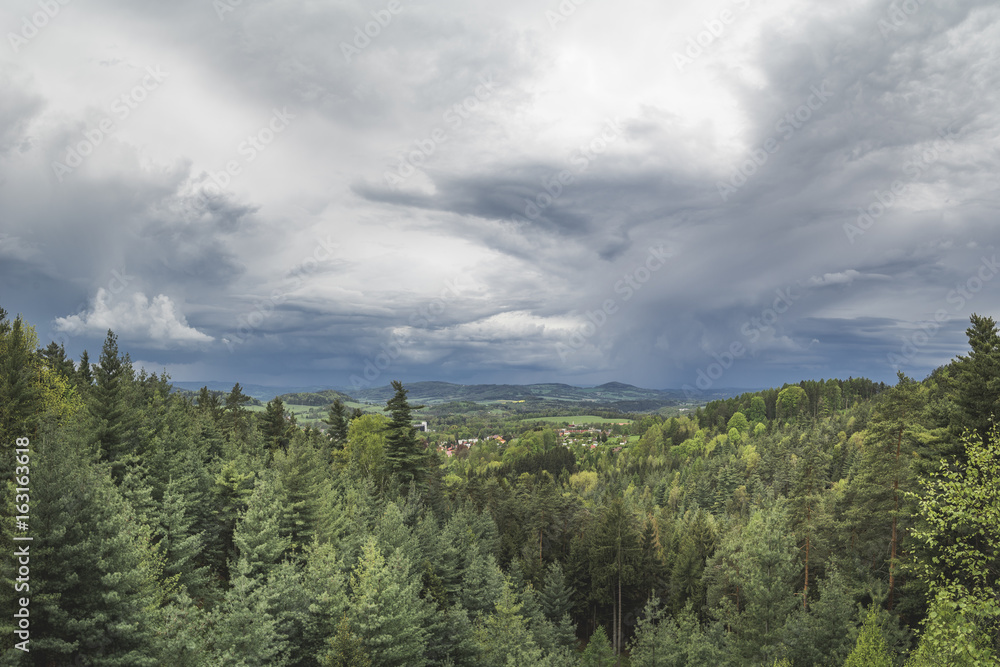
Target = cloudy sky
(732,193)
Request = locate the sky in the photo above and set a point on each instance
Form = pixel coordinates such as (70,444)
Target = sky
(732,193)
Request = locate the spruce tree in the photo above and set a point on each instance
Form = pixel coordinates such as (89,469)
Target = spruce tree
(979,376)
(337,421)
(275,426)
(84,372)
(386,609)
(109,404)
(55,357)
(96,574)
(402,450)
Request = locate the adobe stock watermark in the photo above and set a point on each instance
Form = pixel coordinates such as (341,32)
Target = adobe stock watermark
(786,127)
(885,200)
(629,284)
(120,108)
(33,24)
(223,7)
(715,28)
(424,316)
(957,298)
(896,15)
(454,116)
(579,160)
(247,152)
(564,10)
(751,330)
(372,29)
(264,309)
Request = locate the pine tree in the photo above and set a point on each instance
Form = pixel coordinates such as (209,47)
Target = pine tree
(96,575)
(878,513)
(402,450)
(84,372)
(482,583)
(236,413)
(870,649)
(615,555)
(208,402)
(598,652)
(259,541)
(180,544)
(275,426)
(110,407)
(979,376)
(556,597)
(503,637)
(337,421)
(346,648)
(386,609)
(55,358)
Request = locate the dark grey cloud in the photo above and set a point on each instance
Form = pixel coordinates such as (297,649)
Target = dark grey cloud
(238,222)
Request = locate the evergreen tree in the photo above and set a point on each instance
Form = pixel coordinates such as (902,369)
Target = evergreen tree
(275,426)
(95,574)
(386,609)
(259,541)
(236,413)
(598,652)
(664,641)
(979,376)
(503,637)
(871,649)
(556,597)
(482,582)
(55,358)
(84,372)
(208,402)
(337,421)
(110,406)
(402,450)
(346,648)
(615,550)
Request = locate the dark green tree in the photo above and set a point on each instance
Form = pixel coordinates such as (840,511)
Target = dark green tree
(979,376)
(275,425)
(55,358)
(337,422)
(402,449)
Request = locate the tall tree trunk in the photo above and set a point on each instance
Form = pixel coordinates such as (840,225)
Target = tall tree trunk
(805,589)
(895,515)
(618,638)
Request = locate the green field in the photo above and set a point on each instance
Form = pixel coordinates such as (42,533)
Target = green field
(582,419)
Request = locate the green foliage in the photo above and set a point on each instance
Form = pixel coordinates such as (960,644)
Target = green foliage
(791,402)
(346,648)
(871,649)
(664,641)
(739,422)
(957,633)
(598,652)
(175,528)
(978,376)
(402,451)
(386,610)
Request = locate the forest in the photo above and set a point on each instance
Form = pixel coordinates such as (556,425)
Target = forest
(829,523)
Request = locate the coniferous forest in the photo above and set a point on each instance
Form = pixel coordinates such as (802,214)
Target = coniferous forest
(829,523)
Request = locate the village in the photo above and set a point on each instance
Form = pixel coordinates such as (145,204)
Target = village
(574,434)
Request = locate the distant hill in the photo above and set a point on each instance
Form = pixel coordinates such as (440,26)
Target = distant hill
(315,398)
(610,395)
(616,395)
(259,391)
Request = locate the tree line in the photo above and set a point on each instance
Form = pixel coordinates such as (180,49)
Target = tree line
(824,523)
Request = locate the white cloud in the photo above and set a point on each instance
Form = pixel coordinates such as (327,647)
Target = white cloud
(158,322)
